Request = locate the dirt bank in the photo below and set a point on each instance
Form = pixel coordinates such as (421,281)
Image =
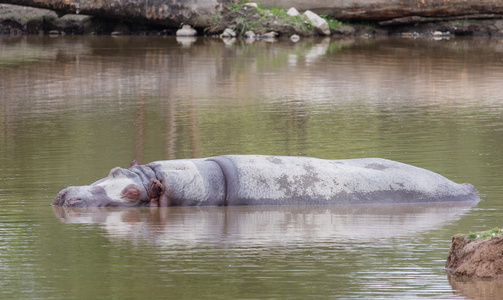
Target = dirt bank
(26,20)
(476,255)
(16,20)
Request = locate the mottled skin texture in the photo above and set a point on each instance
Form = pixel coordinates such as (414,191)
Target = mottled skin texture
(266,180)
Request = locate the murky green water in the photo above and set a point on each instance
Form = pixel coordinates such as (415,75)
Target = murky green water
(71,108)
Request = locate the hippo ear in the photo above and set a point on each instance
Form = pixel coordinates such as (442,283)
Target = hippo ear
(156,188)
(134,163)
(155,191)
(115,172)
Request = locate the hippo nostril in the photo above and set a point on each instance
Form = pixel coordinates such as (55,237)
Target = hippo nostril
(73,201)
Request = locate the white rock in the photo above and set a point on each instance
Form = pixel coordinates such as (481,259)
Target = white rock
(269,35)
(292,12)
(318,22)
(186,30)
(441,33)
(252,4)
(229,33)
(295,38)
(250,34)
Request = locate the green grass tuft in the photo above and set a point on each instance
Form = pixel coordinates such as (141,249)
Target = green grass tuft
(485,234)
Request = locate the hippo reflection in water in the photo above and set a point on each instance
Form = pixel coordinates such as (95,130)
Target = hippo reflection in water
(265,180)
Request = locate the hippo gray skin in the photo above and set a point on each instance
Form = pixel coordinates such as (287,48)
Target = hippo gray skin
(266,180)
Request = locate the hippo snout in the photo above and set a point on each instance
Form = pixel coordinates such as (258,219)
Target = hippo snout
(59,200)
(81,196)
(66,198)
(96,196)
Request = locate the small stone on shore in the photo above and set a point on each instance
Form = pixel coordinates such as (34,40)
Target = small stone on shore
(228,33)
(252,4)
(295,38)
(318,22)
(186,30)
(441,33)
(293,12)
(250,34)
(268,35)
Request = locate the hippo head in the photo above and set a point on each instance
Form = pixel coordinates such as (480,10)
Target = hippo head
(135,186)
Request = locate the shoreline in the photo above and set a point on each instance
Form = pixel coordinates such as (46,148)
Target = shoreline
(21,20)
(476,255)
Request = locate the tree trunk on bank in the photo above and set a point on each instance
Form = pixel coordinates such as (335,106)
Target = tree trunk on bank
(202,13)
(378,10)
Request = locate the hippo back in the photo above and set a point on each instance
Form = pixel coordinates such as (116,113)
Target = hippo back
(273,180)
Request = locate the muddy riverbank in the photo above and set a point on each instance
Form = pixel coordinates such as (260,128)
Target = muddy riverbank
(27,20)
(476,255)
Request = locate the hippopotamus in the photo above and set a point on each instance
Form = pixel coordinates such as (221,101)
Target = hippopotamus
(231,180)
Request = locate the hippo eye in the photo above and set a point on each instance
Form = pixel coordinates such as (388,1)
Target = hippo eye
(131,193)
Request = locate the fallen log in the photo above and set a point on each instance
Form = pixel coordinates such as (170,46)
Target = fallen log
(417,19)
(379,10)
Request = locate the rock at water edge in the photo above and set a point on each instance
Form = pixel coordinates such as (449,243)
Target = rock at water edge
(318,22)
(229,33)
(186,30)
(292,12)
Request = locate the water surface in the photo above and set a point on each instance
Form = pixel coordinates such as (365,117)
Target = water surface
(72,108)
